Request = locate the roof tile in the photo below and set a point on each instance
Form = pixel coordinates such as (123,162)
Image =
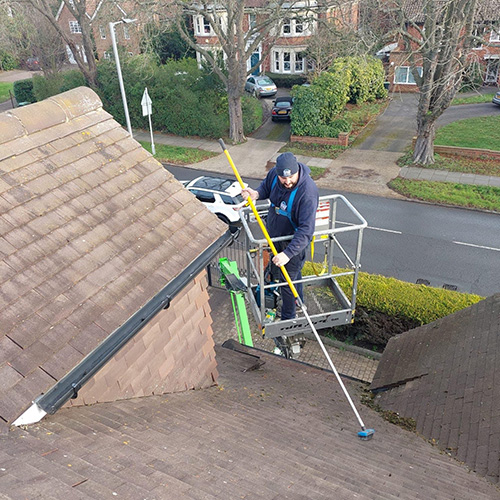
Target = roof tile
(88,217)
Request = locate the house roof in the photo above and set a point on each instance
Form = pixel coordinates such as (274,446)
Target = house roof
(92,228)
(444,375)
(283,431)
(488,10)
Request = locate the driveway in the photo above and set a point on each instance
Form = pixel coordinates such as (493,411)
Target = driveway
(394,129)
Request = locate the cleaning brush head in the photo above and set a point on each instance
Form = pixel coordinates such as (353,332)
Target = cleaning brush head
(366,434)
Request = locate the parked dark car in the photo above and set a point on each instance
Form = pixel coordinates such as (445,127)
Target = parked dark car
(496,99)
(282,108)
(33,64)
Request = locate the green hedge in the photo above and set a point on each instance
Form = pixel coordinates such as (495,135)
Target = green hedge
(401,299)
(187,101)
(23,91)
(286,81)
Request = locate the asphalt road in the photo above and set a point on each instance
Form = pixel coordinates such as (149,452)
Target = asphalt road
(410,241)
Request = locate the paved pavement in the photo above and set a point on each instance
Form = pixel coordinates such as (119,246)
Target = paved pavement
(365,168)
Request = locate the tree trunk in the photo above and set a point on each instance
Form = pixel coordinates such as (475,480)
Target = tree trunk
(424,146)
(236,133)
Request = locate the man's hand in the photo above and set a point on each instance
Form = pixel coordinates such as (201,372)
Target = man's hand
(246,193)
(281,259)
(249,193)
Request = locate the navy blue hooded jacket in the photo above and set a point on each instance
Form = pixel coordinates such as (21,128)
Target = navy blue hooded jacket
(303,213)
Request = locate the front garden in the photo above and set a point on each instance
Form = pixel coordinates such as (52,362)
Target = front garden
(386,307)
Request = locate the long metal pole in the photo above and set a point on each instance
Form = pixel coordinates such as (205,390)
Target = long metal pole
(292,287)
(120,77)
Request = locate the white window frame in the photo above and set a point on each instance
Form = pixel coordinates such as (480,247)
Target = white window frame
(409,76)
(74,27)
(495,36)
(102,31)
(107,55)
(202,27)
(284,67)
(252,20)
(302,26)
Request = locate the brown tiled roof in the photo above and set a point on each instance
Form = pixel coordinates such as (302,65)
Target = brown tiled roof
(92,228)
(445,376)
(284,431)
(488,10)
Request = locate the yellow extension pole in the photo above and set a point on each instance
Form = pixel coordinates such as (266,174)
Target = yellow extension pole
(259,220)
(364,434)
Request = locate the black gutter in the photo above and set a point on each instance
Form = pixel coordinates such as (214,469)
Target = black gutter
(73,381)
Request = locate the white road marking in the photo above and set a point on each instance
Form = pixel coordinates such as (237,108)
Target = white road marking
(477,246)
(384,230)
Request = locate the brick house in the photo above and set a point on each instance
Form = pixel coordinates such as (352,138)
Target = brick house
(100,14)
(287,54)
(103,285)
(486,52)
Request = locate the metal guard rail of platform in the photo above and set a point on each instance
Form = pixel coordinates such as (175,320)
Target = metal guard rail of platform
(328,237)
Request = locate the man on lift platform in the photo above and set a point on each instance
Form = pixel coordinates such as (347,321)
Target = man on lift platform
(294,200)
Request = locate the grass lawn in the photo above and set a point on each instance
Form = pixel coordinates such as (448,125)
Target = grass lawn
(482,132)
(178,155)
(4,90)
(481,166)
(316,150)
(462,195)
(360,114)
(478,98)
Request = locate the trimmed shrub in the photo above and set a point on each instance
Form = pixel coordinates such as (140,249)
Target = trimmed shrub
(23,91)
(286,81)
(401,299)
(44,87)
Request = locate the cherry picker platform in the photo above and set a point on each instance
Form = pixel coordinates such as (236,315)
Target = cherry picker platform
(330,293)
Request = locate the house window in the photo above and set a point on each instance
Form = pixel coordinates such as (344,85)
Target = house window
(495,36)
(299,62)
(286,62)
(297,27)
(74,27)
(252,20)
(289,61)
(102,31)
(126,33)
(202,26)
(287,26)
(403,75)
(108,55)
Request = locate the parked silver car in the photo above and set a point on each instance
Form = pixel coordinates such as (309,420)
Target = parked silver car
(496,99)
(260,86)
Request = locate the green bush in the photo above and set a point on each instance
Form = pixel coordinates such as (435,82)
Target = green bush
(317,107)
(44,87)
(186,100)
(365,76)
(286,81)
(401,299)
(7,61)
(23,91)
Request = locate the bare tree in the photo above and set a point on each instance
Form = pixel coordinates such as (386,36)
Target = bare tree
(19,38)
(437,36)
(343,34)
(46,9)
(236,42)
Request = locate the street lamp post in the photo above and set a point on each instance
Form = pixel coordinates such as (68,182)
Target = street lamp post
(119,69)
